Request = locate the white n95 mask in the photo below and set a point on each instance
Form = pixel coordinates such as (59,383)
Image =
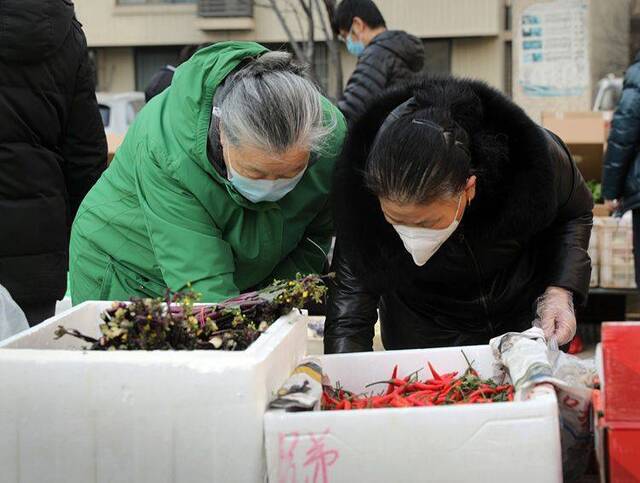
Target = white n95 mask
(422,243)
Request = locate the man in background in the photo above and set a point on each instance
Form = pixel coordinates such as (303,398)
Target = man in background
(162,79)
(385,57)
(52,147)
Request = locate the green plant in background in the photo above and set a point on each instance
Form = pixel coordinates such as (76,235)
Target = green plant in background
(175,323)
(596,190)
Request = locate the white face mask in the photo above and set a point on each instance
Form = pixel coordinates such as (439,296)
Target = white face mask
(422,243)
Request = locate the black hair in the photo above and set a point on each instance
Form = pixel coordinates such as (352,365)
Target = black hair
(423,153)
(365,9)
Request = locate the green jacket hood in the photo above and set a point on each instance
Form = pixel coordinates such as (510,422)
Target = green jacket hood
(186,110)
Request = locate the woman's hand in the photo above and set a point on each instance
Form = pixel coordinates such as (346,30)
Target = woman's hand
(556,316)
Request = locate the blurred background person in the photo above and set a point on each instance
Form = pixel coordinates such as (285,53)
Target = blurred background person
(162,79)
(52,147)
(386,58)
(621,170)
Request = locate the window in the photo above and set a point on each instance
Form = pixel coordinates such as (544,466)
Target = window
(152,2)
(437,56)
(508,69)
(225,8)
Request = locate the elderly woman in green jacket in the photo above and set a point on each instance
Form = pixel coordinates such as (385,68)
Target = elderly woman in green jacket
(221,184)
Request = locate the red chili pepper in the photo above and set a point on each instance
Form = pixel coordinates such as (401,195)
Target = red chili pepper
(347,404)
(421,386)
(399,402)
(394,376)
(436,376)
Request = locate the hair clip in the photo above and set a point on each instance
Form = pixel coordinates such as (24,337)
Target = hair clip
(427,122)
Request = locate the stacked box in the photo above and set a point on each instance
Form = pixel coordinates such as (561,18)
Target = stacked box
(615,247)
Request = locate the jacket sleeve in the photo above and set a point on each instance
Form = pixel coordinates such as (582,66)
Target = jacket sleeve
(310,256)
(367,81)
(187,246)
(84,147)
(352,311)
(623,141)
(569,263)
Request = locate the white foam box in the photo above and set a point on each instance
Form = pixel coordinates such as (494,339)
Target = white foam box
(74,416)
(511,441)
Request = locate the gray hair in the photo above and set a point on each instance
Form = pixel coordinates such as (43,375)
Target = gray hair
(270,104)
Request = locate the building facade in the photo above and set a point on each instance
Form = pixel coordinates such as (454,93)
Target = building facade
(132,39)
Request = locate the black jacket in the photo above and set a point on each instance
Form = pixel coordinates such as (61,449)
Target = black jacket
(159,82)
(392,58)
(528,228)
(52,143)
(621,172)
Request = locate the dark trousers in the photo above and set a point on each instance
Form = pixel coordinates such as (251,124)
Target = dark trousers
(636,244)
(38,311)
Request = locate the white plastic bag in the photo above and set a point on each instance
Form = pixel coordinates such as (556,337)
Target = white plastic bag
(12,319)
(530,361)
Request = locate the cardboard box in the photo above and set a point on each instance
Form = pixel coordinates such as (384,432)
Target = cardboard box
(515,441)
(621,371)
(73,416)
(585,134)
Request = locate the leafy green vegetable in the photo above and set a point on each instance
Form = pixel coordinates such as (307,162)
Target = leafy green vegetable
(175,323)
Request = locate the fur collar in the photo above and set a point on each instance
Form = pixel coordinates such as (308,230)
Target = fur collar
(511,157)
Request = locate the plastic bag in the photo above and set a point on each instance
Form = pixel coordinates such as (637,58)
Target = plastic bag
(12,318)
(530,361)
(302,390)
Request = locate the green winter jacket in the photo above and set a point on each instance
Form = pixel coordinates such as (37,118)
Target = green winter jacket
(162,217)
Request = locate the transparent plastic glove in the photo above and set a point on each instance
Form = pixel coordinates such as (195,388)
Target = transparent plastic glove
(556,316)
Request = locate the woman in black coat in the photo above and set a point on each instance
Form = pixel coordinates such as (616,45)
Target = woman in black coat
(454,213)
(52,146)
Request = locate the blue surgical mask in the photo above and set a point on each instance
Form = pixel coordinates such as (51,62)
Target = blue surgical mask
(257,190)
(354,48)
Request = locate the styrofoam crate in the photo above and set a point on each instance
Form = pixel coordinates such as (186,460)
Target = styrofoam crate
(514,441)
(74,416)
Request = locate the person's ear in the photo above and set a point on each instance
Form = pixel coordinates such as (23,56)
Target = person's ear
(357,27)
(470,188)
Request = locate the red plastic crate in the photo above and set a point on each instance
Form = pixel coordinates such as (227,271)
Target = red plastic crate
(623,442)
(621,361)
(617,447)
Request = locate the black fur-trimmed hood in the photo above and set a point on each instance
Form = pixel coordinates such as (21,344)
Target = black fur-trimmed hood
(510,156)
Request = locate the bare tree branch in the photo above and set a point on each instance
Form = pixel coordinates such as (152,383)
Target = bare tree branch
(332,43)
(292,40)
(296,13)
(307,7)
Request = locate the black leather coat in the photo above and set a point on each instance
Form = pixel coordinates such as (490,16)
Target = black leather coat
(528,228)
(52,143)
(392,57)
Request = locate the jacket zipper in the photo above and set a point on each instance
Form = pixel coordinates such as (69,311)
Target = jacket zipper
(483,297)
